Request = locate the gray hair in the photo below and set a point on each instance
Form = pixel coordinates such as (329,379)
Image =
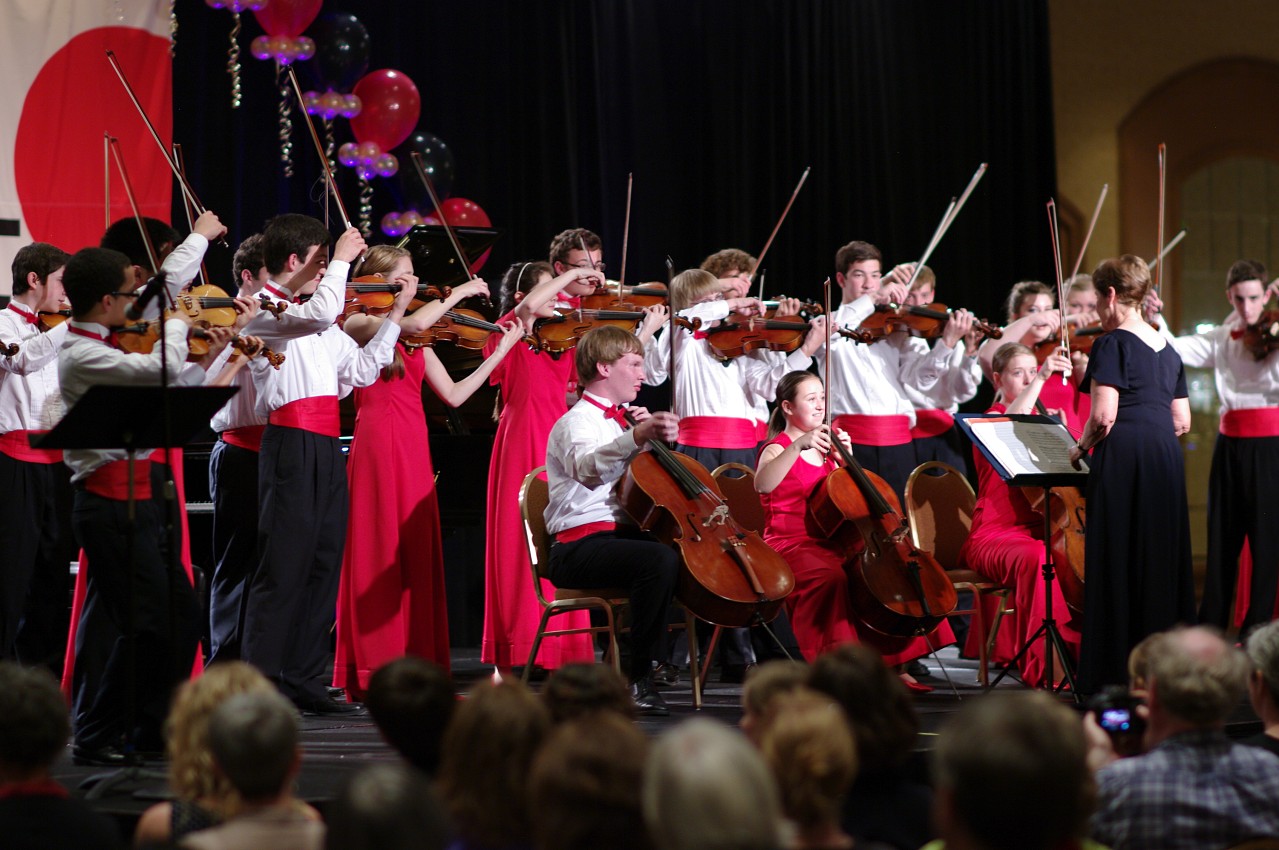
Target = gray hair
(1263,651)
(1196,676)
(254,741)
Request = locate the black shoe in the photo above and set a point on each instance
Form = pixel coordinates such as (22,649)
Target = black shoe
(665,675)
(648,702)
(734,674)
(102,757)
(335,693)
(326,707)
(918,669)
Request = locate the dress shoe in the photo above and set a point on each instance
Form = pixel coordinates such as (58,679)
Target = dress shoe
(916,687)
(648,702)
(665,675)
(734,674)
(100,757)
(918,669)
(325,707)
(335,693)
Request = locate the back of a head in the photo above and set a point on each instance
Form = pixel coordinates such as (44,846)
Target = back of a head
(1263,652)
(289,234)
(34,725)
(1011,773)
(126,237)
(488,749)
(412,700)
(1195,676)
(707,788)
(574,690)
(386,807)
(876,702)
(585,786)
(254,741)
(807,743)
(92,273)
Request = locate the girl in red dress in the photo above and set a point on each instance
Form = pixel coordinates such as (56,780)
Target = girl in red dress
(391,599)
(534,392)
(794,460)
(1006,543)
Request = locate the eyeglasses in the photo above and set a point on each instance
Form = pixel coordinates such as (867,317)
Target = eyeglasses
(599,267)
(125,294)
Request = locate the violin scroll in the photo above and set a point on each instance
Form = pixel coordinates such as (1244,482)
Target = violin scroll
(9,349)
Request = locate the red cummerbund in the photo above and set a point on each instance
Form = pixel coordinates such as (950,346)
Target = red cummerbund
(1252,422)
(318,414)
(577,532)
(931,423)
(761,432)
(111,480)
(249,437)
(16,445)
(717,432)
(875,430)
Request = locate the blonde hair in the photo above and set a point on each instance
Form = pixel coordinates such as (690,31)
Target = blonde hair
(380,259)
(690,286)
(1006,353)
(1080,283)
(926,277)
(604,344)
(808,745)
(191,764)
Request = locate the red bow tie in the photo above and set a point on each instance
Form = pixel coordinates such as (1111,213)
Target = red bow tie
(573,301)
(701,334)
(615,412)
(1237,333)
(32,318)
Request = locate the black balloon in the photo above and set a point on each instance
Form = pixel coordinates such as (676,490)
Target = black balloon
(438,161)
(341,49)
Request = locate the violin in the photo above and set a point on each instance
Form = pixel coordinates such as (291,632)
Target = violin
(733,339)
(141,338)
(1081,340)
(896,588)
(559,333)
(628,298)
(463,328)
(50,319)
(1262,336)
(9,349)
(374,295)
(927,321)
(729,575)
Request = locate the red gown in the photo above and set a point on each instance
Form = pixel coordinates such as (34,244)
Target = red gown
(819,607)
(533,390)
(1069,400)
(1006,544)
(391,597)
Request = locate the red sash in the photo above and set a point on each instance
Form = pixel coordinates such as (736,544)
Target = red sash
(717,432)
(317,414)
(33,788)
(249,437)
(1251,422)
(16,445)
(867,430)
(931,423)
(577,532)
(111,481)
(761,432)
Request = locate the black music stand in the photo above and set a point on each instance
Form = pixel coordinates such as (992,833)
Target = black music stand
(1046,469)
(125,417)
(435,261)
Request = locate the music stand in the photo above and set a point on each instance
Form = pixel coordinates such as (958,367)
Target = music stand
(1031,451)
(435,261)
(124,417)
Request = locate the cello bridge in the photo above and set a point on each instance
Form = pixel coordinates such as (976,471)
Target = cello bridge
(719,516)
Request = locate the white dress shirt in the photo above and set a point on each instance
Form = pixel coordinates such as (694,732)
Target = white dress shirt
(864,379)
(29,398)
(241,410)
(936,378)
(586,454)
(1243,382)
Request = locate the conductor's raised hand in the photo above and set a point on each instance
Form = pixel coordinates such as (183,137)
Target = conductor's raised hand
(662,425)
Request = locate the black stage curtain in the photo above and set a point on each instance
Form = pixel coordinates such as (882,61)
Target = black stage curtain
(716,106)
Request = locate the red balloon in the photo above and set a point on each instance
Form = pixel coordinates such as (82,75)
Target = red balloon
(460,212)
(288,17)
(391,107)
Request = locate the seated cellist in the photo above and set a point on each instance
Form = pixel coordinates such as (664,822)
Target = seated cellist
(1006,543)
(596,543)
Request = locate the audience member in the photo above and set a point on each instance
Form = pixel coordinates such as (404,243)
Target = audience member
(885,803)
(411,700)
(1193,788)
(807,743)
(36,812)
(707,788)
(484,765)
(1263,684)
(585,785)
(764,684)
(254,741)
(1011,773)
(575,690)
(387,807)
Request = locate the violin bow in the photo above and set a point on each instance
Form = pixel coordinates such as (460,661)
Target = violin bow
(1055,235)
(826,365)
(670,372)
(1172,243)
(626,235)
(319,149)
(1083,249)
(776,227)
(187,192)
(952,212)
(188,209)
(114,144)
(420,166)
(1163,174)
(106,177)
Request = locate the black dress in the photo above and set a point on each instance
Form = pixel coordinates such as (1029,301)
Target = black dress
(1137,550)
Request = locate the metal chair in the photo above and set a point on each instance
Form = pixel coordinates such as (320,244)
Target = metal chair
(940,510)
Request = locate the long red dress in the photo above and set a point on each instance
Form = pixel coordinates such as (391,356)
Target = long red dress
(1006,544)
(819,607)
(391,597)
(533,399)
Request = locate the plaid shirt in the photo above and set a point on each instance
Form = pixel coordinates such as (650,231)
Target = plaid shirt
(1194,791)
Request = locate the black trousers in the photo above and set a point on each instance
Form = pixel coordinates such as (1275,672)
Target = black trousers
(292,593)
(950,447)
(153,601)
(894,464)
(38,547)
(1241,504)
(631,560)
(233,484)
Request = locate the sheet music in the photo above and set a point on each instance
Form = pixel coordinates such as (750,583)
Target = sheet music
(1028,448)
